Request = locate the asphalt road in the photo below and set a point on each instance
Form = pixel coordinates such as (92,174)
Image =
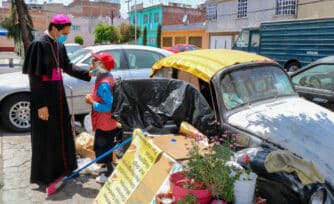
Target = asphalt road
(15,157)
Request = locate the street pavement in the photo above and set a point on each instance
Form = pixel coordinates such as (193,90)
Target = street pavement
(15,157)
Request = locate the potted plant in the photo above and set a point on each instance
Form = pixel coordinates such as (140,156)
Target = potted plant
(206,170)
(244,186)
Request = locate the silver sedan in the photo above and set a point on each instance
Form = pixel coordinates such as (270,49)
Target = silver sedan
(131,61)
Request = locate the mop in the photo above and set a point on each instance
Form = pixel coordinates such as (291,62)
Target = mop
(54,186)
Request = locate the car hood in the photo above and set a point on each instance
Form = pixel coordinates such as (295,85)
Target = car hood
(295,124)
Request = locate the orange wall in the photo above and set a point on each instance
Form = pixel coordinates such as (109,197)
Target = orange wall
(187,33)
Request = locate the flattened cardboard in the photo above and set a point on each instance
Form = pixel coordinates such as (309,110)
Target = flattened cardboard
(177,146)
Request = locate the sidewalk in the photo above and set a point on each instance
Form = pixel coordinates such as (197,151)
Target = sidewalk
(15,155)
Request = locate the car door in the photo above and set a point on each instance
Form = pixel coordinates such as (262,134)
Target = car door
(316,83)
(141,61)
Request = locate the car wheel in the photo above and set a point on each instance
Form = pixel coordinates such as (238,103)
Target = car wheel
(293,66)
(15,113)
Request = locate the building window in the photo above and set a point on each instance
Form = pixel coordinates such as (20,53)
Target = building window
(195,41)
(75,27)
(286,7)
(211,12)
(167,41)
(242,8)
(156,17)
(145,18)
(180,40)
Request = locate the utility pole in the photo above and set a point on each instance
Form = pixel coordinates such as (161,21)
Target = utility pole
(128,1)
(112,17)
(135,22)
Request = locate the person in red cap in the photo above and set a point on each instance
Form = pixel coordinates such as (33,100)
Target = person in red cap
(106,128)
(53,150)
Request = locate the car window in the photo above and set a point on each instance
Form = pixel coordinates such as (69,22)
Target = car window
(253,84)
(320,77)
(115,53)
(139,59)
(70,49)
(79,55)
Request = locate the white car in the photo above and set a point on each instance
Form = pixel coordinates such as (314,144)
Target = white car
(131,61)
(72,47)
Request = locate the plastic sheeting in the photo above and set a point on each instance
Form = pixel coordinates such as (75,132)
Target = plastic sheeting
(153,104)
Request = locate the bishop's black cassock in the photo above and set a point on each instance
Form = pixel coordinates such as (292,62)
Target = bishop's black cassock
(53,150)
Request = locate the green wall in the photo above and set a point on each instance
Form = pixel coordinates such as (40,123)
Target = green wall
(150,18)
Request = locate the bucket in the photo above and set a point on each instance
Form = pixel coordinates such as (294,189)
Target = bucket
(178,179)
(244,188)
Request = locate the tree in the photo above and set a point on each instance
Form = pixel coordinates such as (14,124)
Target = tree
(145,36)
(19,24)
(127,32)
(78,39)
(106,33)
(113,34)
(159,36)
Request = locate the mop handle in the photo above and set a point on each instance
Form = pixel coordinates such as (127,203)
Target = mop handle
(98,158)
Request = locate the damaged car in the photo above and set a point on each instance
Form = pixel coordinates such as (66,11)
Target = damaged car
(252,97)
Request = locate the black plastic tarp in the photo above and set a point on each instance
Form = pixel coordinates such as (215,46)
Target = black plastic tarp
(151,104)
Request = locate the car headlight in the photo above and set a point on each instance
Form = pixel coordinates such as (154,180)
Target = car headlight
(318,197)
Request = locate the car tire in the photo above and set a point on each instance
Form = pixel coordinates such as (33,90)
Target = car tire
(15,113)
(293,66)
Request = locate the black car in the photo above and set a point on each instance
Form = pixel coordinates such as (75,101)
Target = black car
(315,82)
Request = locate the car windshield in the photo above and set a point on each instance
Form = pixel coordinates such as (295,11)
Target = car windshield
(244,86)
(80,54)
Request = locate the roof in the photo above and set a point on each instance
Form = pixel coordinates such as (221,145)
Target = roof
(205,63)
(98,48)
(328,59)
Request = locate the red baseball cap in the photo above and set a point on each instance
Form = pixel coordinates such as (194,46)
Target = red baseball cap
(106,59)
(60,18)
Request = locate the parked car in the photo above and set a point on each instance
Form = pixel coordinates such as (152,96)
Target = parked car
(268,114)
(72,47)
(131,61)
(315,82)
(182,47)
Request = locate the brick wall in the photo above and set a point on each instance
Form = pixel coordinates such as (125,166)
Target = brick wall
(173,15)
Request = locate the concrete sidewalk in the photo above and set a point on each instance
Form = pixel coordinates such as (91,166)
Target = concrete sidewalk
(15,156)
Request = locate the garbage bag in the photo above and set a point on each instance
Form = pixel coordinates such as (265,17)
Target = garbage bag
(155,103)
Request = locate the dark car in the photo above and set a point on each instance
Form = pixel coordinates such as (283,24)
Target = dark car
(182,47)
(315,82)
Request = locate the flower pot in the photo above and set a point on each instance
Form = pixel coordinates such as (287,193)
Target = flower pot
(165,198)
(244,188)
(176,182)
(218,201)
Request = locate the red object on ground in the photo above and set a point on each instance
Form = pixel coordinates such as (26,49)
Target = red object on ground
(54,186)
(203,195)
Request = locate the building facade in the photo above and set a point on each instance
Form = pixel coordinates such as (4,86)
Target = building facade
(179,24)
(85,15)
(315,9)
(225,18)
